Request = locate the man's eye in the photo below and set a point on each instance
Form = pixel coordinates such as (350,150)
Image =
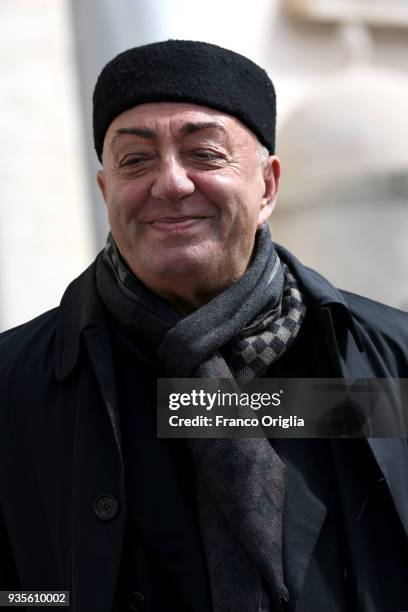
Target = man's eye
(206,154)
(133,161)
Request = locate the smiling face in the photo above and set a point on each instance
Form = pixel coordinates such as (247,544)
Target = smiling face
(185,191)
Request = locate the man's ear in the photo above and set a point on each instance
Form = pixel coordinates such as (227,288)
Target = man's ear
(100,179)
(271,176)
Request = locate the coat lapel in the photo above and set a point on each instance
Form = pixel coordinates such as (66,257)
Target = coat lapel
(81,317)
(100,355)
(391,454)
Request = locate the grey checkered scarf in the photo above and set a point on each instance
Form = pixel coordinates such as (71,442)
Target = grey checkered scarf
(240,482)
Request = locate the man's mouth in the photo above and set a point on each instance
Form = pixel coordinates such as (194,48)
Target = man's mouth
(172,224)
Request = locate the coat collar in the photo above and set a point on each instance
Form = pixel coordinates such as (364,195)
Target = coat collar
(81,309)
(81,319)
(320,293)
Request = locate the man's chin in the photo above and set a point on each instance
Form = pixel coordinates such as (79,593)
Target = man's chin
(187,267)
(195,259)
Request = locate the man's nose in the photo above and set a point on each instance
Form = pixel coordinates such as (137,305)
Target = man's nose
(172,182)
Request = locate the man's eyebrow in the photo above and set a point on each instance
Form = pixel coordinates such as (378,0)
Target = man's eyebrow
(149,134)
(190,128)
(146,133)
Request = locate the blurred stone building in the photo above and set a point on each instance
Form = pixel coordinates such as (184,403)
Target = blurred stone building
(343,205)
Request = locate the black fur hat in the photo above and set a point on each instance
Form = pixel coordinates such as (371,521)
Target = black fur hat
(185,71)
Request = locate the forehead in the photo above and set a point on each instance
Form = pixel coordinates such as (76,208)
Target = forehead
(174,116)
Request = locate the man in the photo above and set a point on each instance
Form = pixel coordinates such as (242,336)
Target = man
(191,285)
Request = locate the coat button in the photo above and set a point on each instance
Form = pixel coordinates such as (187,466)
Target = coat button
(106,507)
(137,602)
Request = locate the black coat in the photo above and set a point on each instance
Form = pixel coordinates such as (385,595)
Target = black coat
(63,499)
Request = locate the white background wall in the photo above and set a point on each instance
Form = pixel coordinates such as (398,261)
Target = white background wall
(45,221)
